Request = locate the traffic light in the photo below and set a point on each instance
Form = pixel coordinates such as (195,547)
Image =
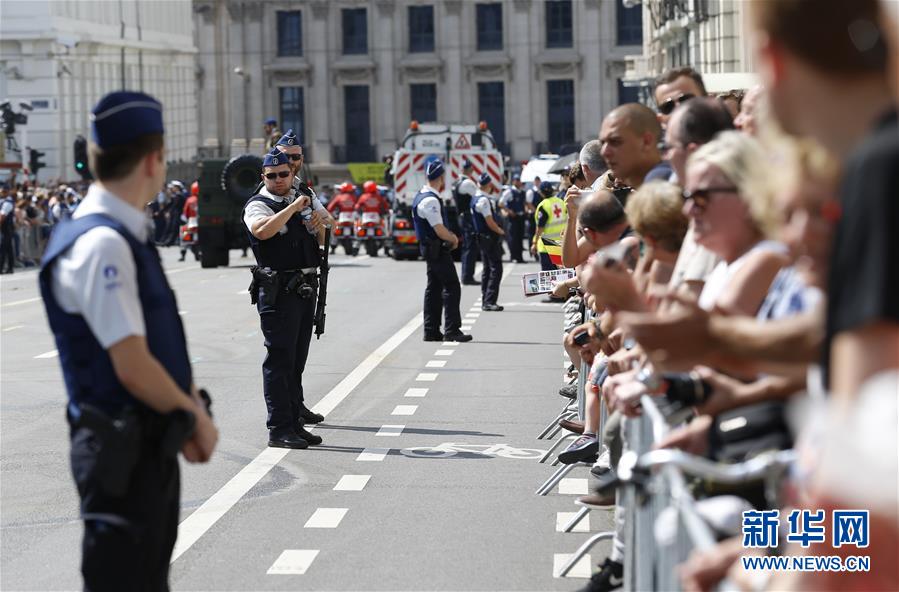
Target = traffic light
(80,151)
(34,161)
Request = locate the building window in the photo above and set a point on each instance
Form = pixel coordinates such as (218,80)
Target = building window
(292,111)
(627,94)
(421,29)
(355,31)
(290,32)
(630,24)
(560,107)
(492,109)
(558,24)
(490,26)
(358,124)
(423,102)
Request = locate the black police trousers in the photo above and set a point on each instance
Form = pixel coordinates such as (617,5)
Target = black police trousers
(7,253)
(492,256)
(469,249)
(514,235)
(287,329)
(442,294)
(128,539)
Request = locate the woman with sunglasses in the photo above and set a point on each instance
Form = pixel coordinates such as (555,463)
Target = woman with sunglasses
(729,200)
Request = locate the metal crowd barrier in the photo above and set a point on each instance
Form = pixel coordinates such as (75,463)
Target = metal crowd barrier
(644,495)
(575,409)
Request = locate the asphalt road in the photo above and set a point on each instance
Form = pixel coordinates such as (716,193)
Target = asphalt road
(425,480)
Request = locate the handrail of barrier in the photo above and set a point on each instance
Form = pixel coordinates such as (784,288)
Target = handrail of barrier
(655,479)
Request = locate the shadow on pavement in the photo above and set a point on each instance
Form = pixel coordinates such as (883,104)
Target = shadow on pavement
(420,431)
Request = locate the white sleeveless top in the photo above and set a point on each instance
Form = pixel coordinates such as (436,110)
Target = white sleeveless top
(724,271)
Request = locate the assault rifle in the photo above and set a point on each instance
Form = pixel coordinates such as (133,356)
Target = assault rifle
(322,287)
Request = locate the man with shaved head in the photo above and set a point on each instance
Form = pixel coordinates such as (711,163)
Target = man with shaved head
(630,145)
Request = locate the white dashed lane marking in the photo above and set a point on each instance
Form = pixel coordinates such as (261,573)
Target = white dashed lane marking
(573,487)
(293,562)
(352,483)
(563,518)
(465,328)
(435,364)
(581,569)
(373,454)
(391,430)
(450,343)
(444,352)
(472,315)
(416,392)
(18,302)
(46,355)
(326,518)
(13,328)
(426,377)
(404,410)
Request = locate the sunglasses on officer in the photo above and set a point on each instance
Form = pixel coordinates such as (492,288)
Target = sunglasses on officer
(295,157)
(668,106)
(282,174)
(702,197)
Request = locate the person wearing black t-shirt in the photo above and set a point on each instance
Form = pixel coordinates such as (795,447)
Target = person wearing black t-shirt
(849,79)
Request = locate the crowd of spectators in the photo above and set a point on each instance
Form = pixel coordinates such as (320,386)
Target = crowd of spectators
(738,254)
(29,211)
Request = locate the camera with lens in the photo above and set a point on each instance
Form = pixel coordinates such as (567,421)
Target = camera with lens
(683,393)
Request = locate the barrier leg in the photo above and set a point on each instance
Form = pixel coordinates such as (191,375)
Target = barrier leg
(566,410)
(583,550)
(555,446)
(577,518)
(556,477)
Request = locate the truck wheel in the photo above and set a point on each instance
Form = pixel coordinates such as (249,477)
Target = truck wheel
(214,257)
(371,248)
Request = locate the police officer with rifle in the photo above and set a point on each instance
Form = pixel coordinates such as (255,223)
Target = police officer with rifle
(283,233)
(132,403)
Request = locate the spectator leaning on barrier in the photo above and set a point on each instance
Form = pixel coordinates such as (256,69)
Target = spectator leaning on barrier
(676,86)
(691,125)
(850,78)
(630,137)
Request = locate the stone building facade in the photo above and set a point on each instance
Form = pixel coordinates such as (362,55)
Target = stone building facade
(61,56)
(712,36)
(349,75)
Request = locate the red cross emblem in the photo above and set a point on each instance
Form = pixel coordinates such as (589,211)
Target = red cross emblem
(557,211)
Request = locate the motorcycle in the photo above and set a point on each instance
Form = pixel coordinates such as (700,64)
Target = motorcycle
(343,233)
(371,232)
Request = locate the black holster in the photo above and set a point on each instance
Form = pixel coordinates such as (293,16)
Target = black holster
(118,444)
(434,248)
(268,280)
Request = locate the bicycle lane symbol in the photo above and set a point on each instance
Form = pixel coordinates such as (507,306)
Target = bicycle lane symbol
(451,449)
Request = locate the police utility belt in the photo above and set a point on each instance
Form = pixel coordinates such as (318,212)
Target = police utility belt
(303,283)
(120,439)
(433,249)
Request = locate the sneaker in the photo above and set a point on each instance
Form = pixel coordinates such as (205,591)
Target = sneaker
(582,449)
(569,391)
(458,336)
(603,464)
(609,577)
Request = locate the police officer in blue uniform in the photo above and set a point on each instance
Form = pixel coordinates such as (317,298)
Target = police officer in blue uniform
(435,241)
(484,214)
(463,192)
(513,200)
(284,238)
(132,403)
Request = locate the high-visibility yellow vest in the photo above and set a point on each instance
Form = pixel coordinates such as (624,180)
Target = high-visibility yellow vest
(557,219)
